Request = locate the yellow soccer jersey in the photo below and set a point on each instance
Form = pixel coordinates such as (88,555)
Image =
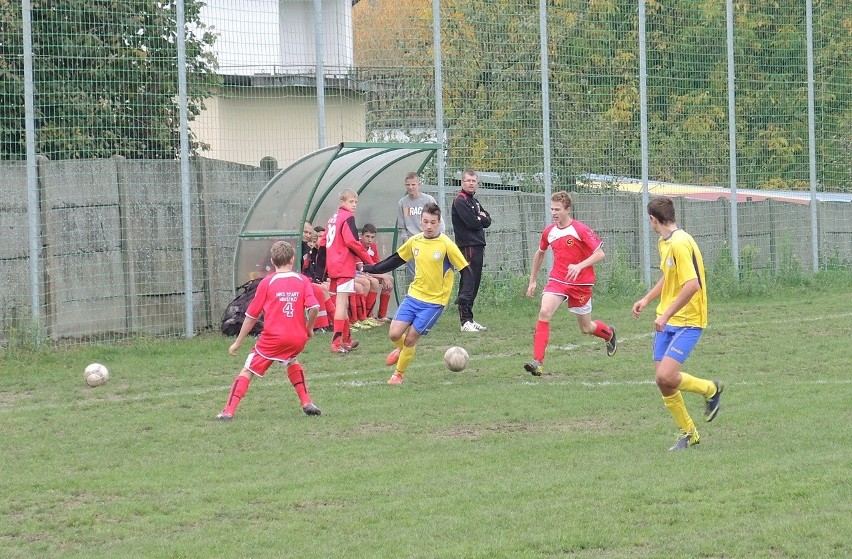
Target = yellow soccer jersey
(434,260)
(681,261)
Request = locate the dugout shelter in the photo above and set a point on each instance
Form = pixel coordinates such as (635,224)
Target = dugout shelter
(309,190)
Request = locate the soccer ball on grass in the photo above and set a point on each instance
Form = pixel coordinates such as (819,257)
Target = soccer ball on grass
(456,358)
(96,375)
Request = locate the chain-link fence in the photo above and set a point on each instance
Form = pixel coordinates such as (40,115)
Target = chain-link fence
(134,136)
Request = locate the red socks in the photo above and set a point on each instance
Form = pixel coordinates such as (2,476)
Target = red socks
(339,327)
(361,310)
(370,303)
(602,330)
(238,390)
(353,308)
(384,299)
(241,384)
(540,339)
(297,377)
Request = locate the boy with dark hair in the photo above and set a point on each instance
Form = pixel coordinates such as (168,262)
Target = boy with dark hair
(681,319)
(380,284)
(435,255)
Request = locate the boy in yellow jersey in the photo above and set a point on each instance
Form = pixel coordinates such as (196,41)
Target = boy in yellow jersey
(681,318)
(435,255)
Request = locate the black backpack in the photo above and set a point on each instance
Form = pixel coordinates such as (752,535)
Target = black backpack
(235,312)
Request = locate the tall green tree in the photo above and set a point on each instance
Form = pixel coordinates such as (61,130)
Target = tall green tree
(105,77)
(492,93)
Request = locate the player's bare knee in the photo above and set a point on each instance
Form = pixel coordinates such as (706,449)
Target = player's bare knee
(666,381)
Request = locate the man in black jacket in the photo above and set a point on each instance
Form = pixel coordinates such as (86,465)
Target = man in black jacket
(469,223)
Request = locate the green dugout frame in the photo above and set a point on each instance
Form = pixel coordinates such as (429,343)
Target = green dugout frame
(309,189)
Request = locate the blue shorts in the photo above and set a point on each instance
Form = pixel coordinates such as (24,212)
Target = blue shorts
(422,316)
(676,342)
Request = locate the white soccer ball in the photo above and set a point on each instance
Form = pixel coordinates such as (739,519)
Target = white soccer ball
(456,358)
(96,375)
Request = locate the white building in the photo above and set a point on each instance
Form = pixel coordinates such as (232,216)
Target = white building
(268,105)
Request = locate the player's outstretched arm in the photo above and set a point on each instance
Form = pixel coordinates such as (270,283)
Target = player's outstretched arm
(389,264)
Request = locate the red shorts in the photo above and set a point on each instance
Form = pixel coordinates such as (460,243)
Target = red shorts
(577,297)
(341,285)
(259,361)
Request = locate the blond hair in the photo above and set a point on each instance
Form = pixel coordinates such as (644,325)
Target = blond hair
(348,193)
(563,197)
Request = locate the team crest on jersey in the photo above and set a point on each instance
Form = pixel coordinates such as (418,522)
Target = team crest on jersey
(416,251)
(436,255)
(569,241)
(669,262)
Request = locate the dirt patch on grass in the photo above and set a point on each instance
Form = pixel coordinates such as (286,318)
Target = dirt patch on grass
(478,431)
(370,429)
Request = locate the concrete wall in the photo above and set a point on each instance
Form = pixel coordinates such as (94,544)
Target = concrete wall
(112,240)
(112,244)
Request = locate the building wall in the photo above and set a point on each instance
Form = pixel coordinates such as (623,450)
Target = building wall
(246,124)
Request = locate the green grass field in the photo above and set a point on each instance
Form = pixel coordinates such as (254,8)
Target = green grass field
(487,463)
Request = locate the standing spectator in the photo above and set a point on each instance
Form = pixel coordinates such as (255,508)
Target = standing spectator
(343,251)
(681,319)
(470,220)
(286,330)
(410,207)
(437,255)
(576,250)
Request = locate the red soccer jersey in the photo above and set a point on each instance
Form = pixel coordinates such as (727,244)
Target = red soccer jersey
(571,244)
(373,251)
(343,248)
(283,297)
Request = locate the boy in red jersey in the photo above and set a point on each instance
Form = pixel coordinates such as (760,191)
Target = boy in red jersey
(343,250)
(576,249)
(283,297)
(380,284)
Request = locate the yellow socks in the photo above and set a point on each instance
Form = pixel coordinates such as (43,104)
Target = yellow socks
(689,383)
(677,408)
(405,357)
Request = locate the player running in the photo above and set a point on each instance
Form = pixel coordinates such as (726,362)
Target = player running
(576,250)
(435,255)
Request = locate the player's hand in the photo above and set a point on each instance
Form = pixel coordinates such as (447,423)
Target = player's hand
(359,266)
(531,289)
(637,307)
(660,323)
(234,347)
(573,271)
